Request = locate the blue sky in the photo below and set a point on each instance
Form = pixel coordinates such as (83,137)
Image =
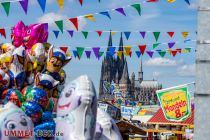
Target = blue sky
(161,16)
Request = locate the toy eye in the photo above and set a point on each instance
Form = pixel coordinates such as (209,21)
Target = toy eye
(11,125)
(68,94)
(29,31)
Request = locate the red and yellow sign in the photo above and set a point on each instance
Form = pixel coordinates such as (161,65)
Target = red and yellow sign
(175,103)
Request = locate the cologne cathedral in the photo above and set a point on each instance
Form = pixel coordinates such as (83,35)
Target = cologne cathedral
(115,69)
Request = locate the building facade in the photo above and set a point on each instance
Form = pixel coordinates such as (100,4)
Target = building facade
(115,70)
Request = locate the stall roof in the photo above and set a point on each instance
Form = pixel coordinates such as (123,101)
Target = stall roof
(159,118)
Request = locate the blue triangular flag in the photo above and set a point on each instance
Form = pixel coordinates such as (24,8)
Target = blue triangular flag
(56,33)
(75,53)
(105,14)
(111,51)
(42,4)
(127,35)
(138,53)
(187,1)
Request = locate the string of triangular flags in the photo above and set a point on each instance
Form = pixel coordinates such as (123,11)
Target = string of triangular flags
(42,3)
(127,34)
(112,52)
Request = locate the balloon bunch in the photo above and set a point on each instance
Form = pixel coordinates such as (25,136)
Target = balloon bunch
(31,71)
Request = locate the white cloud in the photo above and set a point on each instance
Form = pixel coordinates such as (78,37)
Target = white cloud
(161,62)
(50,18)
(193,6)
(186,70)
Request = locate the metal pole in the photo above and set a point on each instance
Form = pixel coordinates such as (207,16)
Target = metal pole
(202,89)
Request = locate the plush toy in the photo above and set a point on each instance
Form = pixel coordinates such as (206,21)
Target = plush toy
(17,35)
(106,128)
(14,119)
(5,60)
(76,110)
(35,33)
(7,48)
(16,70)
(4,81)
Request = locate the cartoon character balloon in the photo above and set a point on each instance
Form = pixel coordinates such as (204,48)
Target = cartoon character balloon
(17,35)
(76,110)
(106,128)
(13,118)
(4,80)
(35,33)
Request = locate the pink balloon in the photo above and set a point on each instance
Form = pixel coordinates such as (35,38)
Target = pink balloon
(35,33)
(17,34)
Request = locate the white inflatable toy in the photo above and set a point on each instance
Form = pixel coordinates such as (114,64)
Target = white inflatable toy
(14,124)
(76,110)
(106,128)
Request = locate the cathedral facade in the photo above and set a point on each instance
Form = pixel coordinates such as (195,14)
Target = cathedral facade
(115,69)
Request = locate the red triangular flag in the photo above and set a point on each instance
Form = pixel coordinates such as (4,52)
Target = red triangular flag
(81,2)
(179,50)
(74,21)
(64,49)
(99,33)
(142,48)
(174,53)
(130,54)
(171,34)
(3,33)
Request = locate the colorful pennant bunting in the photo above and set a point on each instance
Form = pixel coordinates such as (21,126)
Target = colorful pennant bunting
(59,23)
(56,33)
(185,34)
(3,33)
(80,51)
(127,35)
(6,6)
(90,17)
(143,34)
(162,53)
(187,1)
(174,52)
(60,3)
(74,21)
(96,52)
(24,5)
(171,44)
(127,50)
(99,33)
(88,54)
(105,14)
(119,54)
(137,7)
(155,45)
(81,2)
(121,11)
(71,32)
(156,35)
(138,53)
(85,34)
(42,4)
(142,48)
(150,53)
(111,51)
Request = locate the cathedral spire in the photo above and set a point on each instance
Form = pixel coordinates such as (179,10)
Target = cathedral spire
(110,39)
(125,76)
(140,78)
(121,43)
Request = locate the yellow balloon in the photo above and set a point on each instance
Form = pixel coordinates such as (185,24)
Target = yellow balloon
(171,1)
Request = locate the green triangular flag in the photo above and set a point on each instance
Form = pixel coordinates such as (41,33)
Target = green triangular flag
(80,51)
(155,45)
(188,49)
(137,7)
(101,53)
(85,34)
(162,53)
(59,23)
(6,6)
(156,34)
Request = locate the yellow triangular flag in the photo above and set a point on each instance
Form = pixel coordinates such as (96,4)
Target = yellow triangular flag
(169,51)
(90,17)
(61,3)
(185,34)
(171,1)
(127,50)
(113,33)
(119,54)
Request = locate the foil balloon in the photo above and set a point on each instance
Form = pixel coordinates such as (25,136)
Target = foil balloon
(7,48)
(35,33)
(106,129)
(14,119)
(47,116)
(50,105)
(33,110)
(16,70)
(39,96)
(17,35)
(26,90)
(4,80)
(15,96)
(76,110)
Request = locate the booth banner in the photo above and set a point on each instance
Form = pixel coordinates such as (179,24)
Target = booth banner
(103,106)
(175,103)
